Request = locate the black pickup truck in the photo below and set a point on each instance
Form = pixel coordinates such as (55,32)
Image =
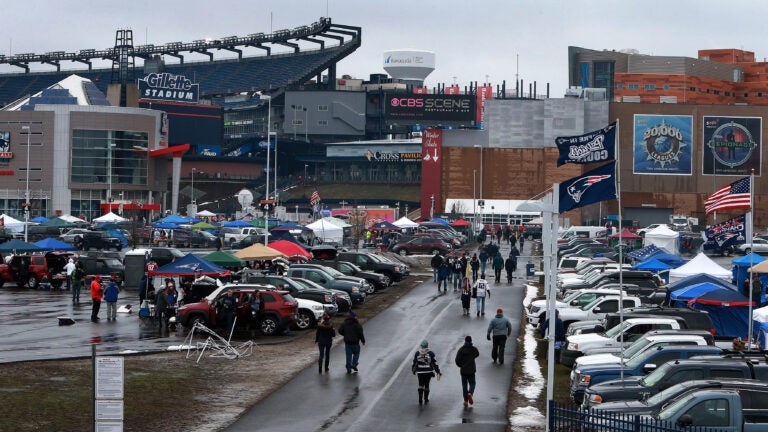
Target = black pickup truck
(377,280)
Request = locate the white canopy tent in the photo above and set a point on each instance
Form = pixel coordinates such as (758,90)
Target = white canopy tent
(12,224)
(327,231)
(404,222)
(205,213)
(110,217)
(663,238)
(700,264)
(336,221)
(72,219)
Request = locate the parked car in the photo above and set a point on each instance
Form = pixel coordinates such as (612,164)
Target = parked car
(193,238)
(29,270)
(641,232)
(364,285)
(355,290)
(164,255)
(246,241)
(758,245)
(278,313)
(322,295)
(532,232)
(396,271)
(343,300)
(40,232)
(98,240)
(376,280)
(422,245)
(104,266)
(235,234)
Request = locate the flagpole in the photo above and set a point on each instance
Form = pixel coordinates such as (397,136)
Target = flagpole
(621,247)
(751,255)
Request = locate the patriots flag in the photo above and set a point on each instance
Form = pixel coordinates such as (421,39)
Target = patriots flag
(732,196)
(591,187)
(726,234)
(596,146)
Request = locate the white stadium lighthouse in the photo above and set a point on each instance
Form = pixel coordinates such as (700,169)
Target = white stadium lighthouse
(409,64)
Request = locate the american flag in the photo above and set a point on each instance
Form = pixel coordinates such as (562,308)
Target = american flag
(733,196)
(314,199)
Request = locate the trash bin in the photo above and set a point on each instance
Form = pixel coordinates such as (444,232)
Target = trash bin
(529,269)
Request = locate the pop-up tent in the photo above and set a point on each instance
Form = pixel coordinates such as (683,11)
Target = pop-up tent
(326,231)
(760,323)
(644,253)
(699,264)
(404,222)
(664,238)
(110,217)
(741,269)
(728,309)
(693,280)
(681,297)
(188,266)
(12,224)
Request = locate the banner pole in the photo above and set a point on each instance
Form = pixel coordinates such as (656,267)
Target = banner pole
(751,256)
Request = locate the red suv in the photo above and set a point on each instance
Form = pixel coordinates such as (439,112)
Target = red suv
(278,312)
(421,245)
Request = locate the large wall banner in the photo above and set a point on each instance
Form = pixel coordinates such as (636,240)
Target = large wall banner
(662,144)
(732,145)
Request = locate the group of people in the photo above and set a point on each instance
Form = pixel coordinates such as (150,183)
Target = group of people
(107,292)
(353,334)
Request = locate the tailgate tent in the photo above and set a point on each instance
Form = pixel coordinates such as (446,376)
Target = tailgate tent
(699,264)
(326,231)
(680,298)
(663,238)
(760,321)
(404,222)
(696,279)
(740,270)
(110,217)
(645,253)
(728,309)
(12,224)
(188,265)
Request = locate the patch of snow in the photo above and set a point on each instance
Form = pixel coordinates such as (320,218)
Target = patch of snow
(532,378)
(528,417)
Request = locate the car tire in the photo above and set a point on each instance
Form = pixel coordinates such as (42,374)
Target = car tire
(747,251)
(269,326)
(32,281)
(434,251)
(386,280)
(403,252)
(304,320)
(195,318)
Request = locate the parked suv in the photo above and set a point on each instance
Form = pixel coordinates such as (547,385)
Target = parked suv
(164,255)
(355,290)
(30,269)
(422,245)
(103,266)
(376,280)
(98,240)
(364,285)
(279,308)
(376,263)
(324,296)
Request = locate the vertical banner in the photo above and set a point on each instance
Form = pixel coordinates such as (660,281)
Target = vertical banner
(431,170)
(483,94)
(731,145)
(662,144)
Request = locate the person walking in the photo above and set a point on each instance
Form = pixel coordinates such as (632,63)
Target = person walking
(500,328)
(110,297)
(227,309)
(69,268)
(459,270)
(97,292)
(324,339)
(522,242)
(465,360)
(436,262)
(483,258)
(498,265)
(425,367)
(353,337)
(161,306)
(474,265)
(466,296)
(77,282)
(560,338)
(219,242)
(510,265)
(481,291)
(443,275)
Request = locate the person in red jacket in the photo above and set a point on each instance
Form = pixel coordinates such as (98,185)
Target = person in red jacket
(97,292)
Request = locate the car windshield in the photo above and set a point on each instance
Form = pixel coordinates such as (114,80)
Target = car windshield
(307,283)
(572,296)
(112,262)
(636,347)
(349,265)
(674,407)
(333,272)
(654,377)
(208,235)
(615,330)
(589,305)
(177,253)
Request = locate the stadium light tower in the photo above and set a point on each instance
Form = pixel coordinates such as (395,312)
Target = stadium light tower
(269,133)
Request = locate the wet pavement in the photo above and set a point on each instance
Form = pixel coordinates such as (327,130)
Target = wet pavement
(383,396)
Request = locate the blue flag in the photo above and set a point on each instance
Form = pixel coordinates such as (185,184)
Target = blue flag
(597,146)
(591,187)
(726,234)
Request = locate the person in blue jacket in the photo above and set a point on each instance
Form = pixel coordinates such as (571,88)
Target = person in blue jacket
(110,297)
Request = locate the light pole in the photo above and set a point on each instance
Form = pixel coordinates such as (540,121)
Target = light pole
(305,173)
(275,165)
(474,202)
(306,123)
(109,175)
(193,185)
(294,107)
(26,193)
(269,133)
(432,206)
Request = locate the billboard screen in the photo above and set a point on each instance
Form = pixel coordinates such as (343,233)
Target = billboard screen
(420,108)
(662,144)
(200,126)
(731,145)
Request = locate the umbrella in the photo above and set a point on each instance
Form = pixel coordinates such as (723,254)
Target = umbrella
(761,267)
(258,252)
(54,244)
(19,246)
(290,248)
(224,259)
(40,219)
(202,226)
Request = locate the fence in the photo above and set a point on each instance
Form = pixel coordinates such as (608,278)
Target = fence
(570,418)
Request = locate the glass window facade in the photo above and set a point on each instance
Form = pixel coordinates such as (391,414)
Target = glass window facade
(604,71)
(94,151)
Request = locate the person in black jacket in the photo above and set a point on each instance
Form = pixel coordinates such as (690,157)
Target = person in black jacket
(436,262)
(425,367)
(353,337)
(465,360)
(324,340)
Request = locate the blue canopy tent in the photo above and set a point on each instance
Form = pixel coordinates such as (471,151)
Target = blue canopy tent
(237,224)
(681,297)
(166,225)
(696,279)
(655,266)
(52,244)
(18,246)
(667,258)
(741,267)
(291,226)
(729,310)
(188,265)
(40,219)
(440,221)
(384,225)
(177,219)
(643,254)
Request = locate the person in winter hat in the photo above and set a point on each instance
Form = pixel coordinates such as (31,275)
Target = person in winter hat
(500,328)
(353,337)
(466,296)
(425,367)
(324,339)
(465,360)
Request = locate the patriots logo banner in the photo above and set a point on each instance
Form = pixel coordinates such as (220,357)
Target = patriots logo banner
(597,146)
(726,234)
(591,187)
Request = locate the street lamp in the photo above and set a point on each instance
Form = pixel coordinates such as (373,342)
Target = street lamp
(432,206)
(474,202)
(269,133)
(275,168)
(193,185)
(26,193)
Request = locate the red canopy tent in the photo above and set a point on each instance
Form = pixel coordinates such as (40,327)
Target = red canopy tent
(290,248)
(461,223)
(626,235)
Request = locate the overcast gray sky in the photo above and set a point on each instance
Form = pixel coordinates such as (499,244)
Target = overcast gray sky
(471,39)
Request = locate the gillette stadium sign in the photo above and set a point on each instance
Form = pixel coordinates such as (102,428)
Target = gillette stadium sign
(168,87)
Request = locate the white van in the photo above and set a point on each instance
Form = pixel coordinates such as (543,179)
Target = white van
(592,232)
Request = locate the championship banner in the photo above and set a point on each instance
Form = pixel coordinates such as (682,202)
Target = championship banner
(726,234)
(597,146)
(591,187)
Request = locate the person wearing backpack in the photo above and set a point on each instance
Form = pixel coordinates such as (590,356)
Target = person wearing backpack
(77,282)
